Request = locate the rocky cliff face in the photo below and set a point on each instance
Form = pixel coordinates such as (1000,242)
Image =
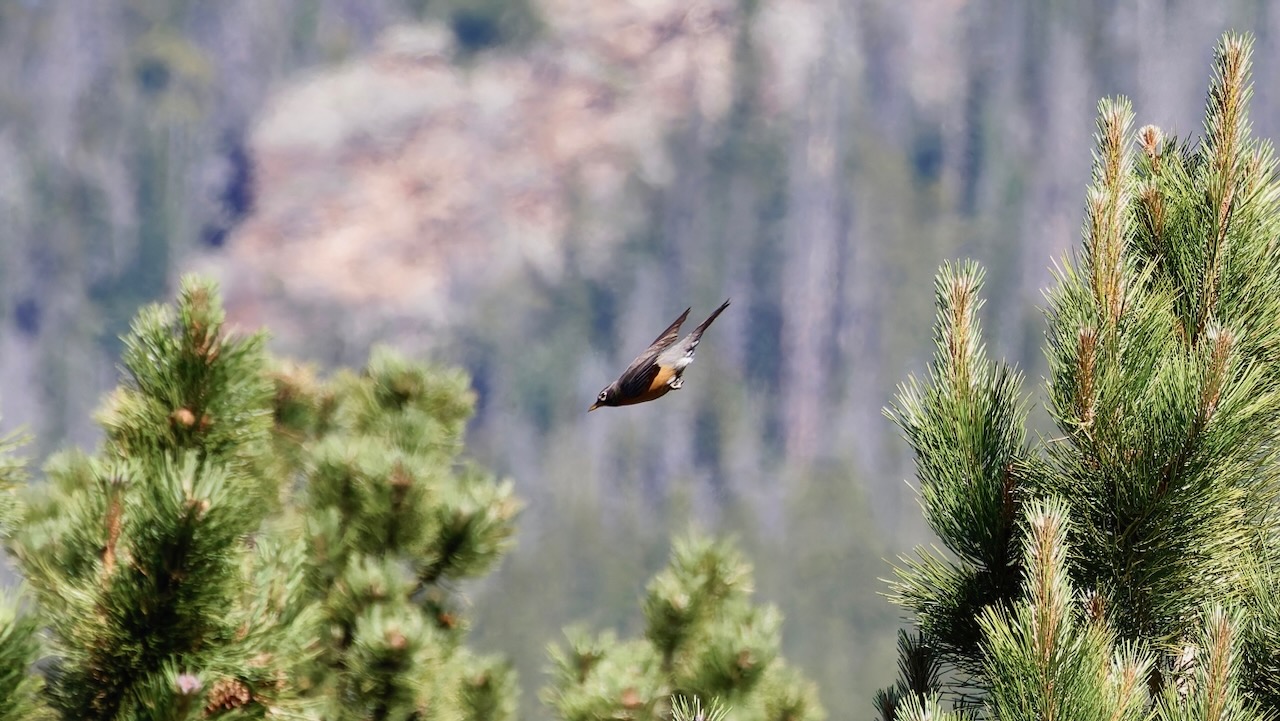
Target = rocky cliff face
(398,182)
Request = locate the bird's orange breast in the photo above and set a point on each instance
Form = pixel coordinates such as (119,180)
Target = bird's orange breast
(658,387)
(662,379)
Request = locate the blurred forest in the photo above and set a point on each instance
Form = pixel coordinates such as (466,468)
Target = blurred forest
(534,188)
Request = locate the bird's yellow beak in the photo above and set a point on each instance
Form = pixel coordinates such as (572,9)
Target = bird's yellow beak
(593,407)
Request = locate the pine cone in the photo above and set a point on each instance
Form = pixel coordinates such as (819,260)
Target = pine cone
(227,694)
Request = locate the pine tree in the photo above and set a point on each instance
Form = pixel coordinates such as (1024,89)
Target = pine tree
(250,542)
(1125,567)
(392,523)
(157,607)
(704,641)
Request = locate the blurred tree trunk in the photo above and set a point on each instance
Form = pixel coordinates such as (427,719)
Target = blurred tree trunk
(812,237)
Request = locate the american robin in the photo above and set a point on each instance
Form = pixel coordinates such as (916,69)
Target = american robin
(659,369)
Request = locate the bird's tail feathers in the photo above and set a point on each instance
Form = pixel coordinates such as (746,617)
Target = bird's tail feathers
(697,332)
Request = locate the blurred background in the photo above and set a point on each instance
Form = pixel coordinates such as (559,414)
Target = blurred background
(533,189)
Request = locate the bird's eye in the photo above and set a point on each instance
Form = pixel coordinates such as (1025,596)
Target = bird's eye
(604,395)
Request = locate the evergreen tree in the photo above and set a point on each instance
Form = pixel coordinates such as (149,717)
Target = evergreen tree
(1126,566)
(704,640)
(156,605)
(252,543)
(392,523)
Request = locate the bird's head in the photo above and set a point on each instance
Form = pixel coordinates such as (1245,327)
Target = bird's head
(606,397)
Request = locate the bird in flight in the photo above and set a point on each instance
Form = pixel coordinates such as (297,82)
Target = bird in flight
(659,369)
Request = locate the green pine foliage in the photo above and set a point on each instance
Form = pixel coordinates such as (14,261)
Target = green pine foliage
(1126,566)
(20,698)
(19,644)
(967,426)
(250,542)
(1043,659)
(704,640)
(12,475)
(682,709)
(919,669)
(393,521)
(924,708)
(156,606)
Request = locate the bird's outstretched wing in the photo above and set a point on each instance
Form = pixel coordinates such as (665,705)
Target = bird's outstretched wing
(639,375)
(668,336)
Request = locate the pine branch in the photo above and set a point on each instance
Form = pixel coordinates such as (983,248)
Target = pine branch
(919,676)
(19,648)
(1207,672)
(967,427)
(12,475)
(190,387)
(1227,132)
(1042,661)
(1109,215)
(684,710)
(928,708)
